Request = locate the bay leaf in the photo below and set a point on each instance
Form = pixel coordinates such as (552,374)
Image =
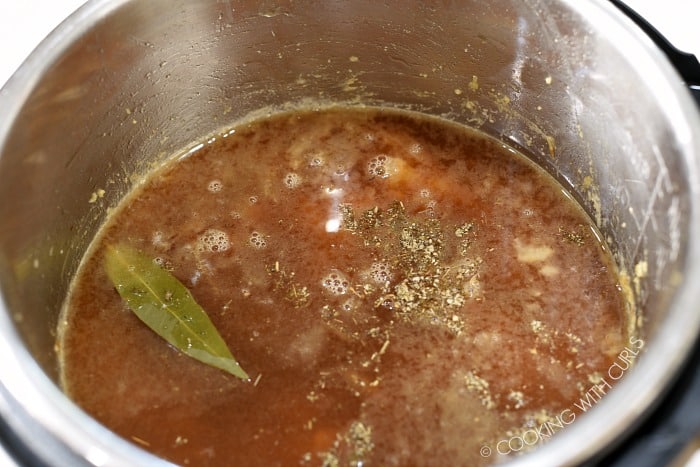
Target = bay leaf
(166,306)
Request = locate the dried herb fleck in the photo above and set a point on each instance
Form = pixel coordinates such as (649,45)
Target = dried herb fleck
(356,444)
(577,237)
(431,287)
(294,293)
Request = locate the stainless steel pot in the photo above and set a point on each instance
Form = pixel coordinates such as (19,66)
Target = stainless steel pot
(123,85)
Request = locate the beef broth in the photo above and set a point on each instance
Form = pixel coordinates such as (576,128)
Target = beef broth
(400,289)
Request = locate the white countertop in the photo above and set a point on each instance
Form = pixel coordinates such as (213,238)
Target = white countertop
(24,23)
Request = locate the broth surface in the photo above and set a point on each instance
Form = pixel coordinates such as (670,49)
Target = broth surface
(401,290)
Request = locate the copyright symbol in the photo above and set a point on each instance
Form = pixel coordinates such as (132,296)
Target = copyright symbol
(485,451)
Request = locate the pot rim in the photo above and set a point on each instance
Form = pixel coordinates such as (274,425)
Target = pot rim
(51,428)
(640,391)
(55,430)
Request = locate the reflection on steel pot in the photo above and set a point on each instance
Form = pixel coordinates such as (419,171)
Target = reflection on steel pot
(121,85)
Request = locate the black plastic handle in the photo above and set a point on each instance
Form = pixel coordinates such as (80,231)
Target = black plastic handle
(685,63)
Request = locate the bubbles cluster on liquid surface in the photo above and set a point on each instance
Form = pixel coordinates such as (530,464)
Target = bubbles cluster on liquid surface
(215,186)
(213,241)
(336,283)
(257,240)
(292,180)
(377,166)
(380,272)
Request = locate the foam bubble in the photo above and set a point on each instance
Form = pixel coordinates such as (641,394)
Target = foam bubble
(415,149)
(292,180)
(350,304)
(215,186)
(159,240)
(213,241)
(257,240)
(336,283)
(380,272)
(377,166)
(317,160)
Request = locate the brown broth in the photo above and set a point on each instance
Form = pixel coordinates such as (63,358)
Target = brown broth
(400,289)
